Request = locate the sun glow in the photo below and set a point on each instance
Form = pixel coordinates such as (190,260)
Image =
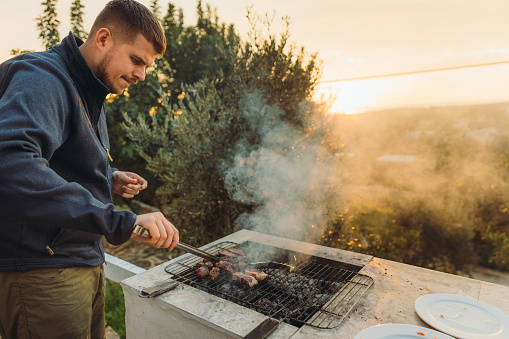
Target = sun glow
(349,98)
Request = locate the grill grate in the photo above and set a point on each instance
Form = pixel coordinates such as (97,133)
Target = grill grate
(317,292)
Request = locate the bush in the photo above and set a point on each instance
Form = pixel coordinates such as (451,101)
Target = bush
(492,229)
(418,232)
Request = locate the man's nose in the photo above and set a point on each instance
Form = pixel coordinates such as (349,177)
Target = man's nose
(139,73)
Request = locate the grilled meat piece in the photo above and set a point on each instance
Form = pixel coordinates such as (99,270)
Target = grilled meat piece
(237,257)
(226,265)
(214,273)
(257,274)
(231,253)
(232,261)
(244,279)
(237,252)
(202,271)
(226,254)
(208,263)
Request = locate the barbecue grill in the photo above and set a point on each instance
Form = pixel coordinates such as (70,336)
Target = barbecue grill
(300,289)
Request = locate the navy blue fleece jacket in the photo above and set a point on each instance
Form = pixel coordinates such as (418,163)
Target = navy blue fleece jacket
(55,176)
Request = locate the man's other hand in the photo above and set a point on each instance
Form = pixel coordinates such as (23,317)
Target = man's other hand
(128,184)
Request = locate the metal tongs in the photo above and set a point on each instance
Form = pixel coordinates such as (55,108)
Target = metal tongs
(140,230)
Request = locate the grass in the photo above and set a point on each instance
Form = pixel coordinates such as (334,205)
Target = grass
(115,308)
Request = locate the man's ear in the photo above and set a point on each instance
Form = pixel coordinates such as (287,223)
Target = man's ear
(103,39)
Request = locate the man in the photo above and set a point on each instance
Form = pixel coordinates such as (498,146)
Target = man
(56,182)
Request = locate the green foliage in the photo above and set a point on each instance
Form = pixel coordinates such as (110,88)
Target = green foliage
(193,52)
(498,247)
(48,23)
(286,77)
(143,97)
(188,143)
(77,19)
(183,152)
(115,308)
(456,188)
(156,9)
(492,230)
(17,51)
(188,48)
(418,231)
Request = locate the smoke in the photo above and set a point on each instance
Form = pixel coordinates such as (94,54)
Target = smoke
(429,151)
(435,176)
(287,174)
(428,180)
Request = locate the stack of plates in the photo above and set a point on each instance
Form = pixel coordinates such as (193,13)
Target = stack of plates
(458,316)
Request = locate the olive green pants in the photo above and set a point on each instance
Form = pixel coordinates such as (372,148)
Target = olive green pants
(52,303)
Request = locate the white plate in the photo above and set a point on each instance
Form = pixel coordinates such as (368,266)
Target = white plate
(463,317)
(400,331)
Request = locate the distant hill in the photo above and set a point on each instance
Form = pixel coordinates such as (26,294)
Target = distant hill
(403,130)
(473,117)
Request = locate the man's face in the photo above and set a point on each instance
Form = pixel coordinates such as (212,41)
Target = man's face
(125,63)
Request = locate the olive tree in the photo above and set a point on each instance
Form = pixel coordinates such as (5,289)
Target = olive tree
(190,145)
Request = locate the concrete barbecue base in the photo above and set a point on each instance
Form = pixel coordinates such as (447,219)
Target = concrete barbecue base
(186,312)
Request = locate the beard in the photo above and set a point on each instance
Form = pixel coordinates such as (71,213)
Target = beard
(102,73)
(107,80)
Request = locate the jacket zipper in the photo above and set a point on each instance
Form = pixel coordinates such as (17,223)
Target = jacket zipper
(93,132)
(107,152)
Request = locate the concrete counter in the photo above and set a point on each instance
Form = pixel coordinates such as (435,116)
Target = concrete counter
(187,312)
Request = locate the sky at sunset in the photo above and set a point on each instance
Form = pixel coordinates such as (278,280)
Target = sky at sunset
(354,38)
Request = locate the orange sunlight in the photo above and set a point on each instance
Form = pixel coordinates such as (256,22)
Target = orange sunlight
(349,97)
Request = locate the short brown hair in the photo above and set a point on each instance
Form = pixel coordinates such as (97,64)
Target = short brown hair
(126,19)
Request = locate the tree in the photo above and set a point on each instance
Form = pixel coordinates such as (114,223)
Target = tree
(156,9)
(192,54)
(191,145)
(77,19)
(286,76)
(48,23)
(183,153)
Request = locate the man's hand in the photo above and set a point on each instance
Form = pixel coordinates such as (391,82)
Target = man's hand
(162,232)
(128,184)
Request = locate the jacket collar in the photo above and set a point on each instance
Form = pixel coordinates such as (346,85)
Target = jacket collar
(92,91)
